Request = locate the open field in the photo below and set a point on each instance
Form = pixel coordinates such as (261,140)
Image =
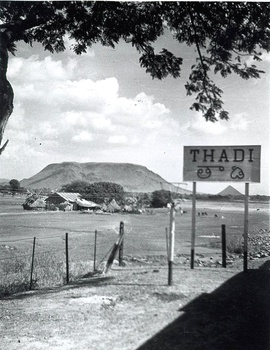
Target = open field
(132,307)
(17,223)
(144,234)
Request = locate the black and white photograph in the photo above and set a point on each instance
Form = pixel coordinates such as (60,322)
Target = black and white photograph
(134,175)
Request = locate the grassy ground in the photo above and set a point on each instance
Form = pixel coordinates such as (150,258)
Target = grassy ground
(132,307)
(144,237)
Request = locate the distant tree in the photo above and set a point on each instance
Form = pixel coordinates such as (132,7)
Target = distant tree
(14,184)
(223,34)
(161,198)
(77,186)
(97,192)
(144,199)
(100,192)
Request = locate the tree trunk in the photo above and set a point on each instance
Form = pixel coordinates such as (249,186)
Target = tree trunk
(6,91)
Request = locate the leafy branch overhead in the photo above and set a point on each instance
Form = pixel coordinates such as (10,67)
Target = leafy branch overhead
(224,35)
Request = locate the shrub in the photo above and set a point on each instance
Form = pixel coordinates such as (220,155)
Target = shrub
(15,276)
(234,245)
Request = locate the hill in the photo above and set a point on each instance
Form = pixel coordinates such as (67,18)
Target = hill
(4,182)
(132,177)
(230,191)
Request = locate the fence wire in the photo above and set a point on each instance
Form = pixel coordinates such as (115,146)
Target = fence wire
(145,235)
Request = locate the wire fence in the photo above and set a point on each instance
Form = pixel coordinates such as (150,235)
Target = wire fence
(33,257)
(38,262)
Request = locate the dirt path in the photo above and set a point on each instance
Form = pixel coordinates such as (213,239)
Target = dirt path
(133,308)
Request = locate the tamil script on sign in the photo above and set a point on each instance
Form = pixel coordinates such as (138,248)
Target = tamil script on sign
(222,163)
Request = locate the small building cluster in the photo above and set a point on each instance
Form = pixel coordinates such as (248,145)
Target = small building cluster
(67,201)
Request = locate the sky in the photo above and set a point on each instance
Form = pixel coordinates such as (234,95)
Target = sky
(103,107)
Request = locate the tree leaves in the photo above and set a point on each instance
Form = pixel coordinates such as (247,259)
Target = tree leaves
(161,65)
(224,34)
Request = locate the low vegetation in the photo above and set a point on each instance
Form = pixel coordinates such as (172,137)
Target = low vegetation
(48,272)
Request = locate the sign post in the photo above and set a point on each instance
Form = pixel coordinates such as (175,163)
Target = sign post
(193,227)
(246,228)
(223,164)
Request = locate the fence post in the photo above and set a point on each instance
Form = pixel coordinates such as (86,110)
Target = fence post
(167,242)
(95,250)
(223,243)
(67,262)
(171,244)
(121,247)
(32,264)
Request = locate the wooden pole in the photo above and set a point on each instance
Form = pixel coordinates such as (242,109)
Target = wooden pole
(121,247)
(167,242)
(32,264)
(246,228)
(95,250)
(114,251)
(193,226)
(171,244)
(67,262)
(223,243)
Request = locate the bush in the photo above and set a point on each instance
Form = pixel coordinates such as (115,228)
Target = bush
(234,245)
(15,277)
(160,198)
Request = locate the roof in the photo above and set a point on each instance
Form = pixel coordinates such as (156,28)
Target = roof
(113,206)
(68,196)
(86,204)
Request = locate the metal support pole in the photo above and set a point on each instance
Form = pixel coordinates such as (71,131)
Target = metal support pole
(67,262)
(246,228)
(32,264)
(193,225)
(223,243)
(171,244)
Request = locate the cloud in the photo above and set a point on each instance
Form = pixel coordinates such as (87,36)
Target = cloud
(200,125)
(67,110)
(239,122)
(83,136)
(118,139)
(34,69)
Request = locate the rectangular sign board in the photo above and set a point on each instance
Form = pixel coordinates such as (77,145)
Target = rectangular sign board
(222,163)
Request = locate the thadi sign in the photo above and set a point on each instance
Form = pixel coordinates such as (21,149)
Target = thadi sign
(222,163)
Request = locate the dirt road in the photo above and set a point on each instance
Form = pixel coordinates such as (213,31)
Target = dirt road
(134,308)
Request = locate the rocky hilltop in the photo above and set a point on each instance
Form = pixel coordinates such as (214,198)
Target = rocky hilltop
(230,191)
(132,177)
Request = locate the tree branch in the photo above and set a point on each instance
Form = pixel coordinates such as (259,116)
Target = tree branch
(3,147)
(198,49)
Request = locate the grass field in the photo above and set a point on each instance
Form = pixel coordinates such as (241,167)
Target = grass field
(144,233)
(132,307)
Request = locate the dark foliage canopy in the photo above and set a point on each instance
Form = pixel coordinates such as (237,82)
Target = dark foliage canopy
(98,192)
(77,186)
(14,184)
(161,198)
(223,34)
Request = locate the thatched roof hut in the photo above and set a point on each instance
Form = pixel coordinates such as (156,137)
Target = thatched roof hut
(103,207)
(113,207)
(35,202)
